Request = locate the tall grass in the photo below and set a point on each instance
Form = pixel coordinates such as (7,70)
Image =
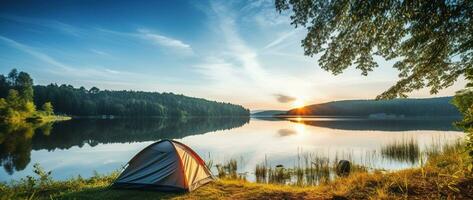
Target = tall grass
(404,150)
(310,169)
(229,170)
(316,169)
(261,171)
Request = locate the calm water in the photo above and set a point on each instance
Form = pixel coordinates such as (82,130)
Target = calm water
(80,147)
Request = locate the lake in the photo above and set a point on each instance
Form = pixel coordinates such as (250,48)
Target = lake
(82,146)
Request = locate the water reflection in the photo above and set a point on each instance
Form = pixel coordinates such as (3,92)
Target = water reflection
(286,132)
(17,141)
(282,142)
(367,124)
(16,144)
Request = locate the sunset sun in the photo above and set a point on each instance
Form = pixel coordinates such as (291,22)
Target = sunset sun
(298,103)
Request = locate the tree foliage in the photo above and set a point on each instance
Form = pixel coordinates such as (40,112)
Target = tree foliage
(464,102)
(16,96)
(431,41)
(48,108)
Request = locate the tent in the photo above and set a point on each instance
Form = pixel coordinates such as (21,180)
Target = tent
(166,165)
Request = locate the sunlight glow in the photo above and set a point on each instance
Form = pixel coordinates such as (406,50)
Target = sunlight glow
(298,103)
(300,129)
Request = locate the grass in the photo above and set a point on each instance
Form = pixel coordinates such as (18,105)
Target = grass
(405,150)
(443,176)
(228,170)
(310,170)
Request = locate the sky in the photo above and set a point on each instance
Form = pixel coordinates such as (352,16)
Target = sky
(243,52)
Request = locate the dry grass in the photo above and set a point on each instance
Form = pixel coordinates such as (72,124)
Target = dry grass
(443,176)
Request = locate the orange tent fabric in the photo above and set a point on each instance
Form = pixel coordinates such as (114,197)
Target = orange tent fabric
(166,165)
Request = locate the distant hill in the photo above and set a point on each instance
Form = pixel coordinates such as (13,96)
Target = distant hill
(268,113)
(429,107)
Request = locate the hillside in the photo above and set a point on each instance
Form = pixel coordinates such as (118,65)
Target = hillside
(429,107)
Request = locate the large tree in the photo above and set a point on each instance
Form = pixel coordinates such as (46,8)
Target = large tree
(25,86)
(431,41)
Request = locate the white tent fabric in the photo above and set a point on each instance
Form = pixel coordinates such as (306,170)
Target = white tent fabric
(166,165)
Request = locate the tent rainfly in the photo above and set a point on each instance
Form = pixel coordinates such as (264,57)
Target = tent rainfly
(166,165)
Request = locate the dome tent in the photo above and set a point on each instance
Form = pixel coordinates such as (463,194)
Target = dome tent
(166,165)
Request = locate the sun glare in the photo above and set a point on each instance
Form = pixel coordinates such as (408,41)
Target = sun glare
(298,103)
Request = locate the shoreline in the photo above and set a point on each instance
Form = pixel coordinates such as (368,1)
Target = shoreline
(444,175)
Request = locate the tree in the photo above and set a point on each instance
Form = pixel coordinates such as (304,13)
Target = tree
(25,86)
(94,90)
(13,100)
(12,76)
(12,108)
(48,108)
(16,95)
(432,40)
(4,86)
(464,102)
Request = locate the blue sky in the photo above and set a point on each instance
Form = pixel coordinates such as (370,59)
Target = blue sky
(242,52)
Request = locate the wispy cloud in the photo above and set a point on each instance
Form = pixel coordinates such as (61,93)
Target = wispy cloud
(51,24)
(236,65)
(217,69)
(263,13)
(99,52)
(281,39)
(164,41)
(281,98)
(239,51)
(61,68)
(240,65)
(27,49)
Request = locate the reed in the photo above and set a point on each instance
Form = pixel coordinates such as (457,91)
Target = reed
(310,169)
(209,162)
(229,170)
(404,150)
(279,175)
(261,173)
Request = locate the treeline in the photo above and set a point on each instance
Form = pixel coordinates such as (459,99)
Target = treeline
(430,107)
(19,98)
(16,98)
(82,102)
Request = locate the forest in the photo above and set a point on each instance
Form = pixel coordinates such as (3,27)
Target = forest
(68,100)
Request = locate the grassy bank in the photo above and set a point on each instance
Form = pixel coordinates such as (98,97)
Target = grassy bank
(444,176)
